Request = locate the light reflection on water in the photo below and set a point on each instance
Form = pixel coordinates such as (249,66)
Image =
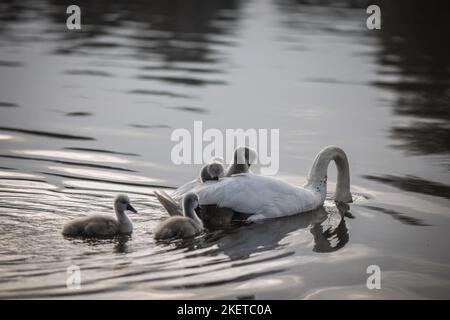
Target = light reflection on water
(85,115)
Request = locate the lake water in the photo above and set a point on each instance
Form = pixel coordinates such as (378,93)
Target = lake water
(87,114)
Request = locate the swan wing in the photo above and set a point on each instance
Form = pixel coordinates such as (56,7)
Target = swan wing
(263,196)
(179,193)
(168,203)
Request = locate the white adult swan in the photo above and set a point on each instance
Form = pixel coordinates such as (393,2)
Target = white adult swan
(103,226)
(266,197)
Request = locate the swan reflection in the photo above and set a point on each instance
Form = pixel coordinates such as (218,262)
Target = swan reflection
(242,241)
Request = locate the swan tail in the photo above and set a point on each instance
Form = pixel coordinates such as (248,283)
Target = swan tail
(168,203)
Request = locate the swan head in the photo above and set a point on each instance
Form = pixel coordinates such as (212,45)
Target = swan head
(245,155)
(212,171)
(190,201)
(215,170)
(122,203)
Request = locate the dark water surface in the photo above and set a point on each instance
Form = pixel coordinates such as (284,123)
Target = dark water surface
(87,114)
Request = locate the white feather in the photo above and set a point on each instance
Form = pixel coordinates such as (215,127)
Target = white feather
(259,195)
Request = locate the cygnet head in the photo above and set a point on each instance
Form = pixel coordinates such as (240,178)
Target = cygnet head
(245,155)
(190,201)
(215,170)
(212,171)
(122,203)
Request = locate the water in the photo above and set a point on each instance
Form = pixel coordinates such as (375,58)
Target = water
(85,115)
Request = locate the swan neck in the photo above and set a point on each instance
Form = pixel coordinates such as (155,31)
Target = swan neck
(317,177)
(190,213)
(121,216)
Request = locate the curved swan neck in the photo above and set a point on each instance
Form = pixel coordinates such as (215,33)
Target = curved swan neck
(121,216)
(317,177)
(190,213)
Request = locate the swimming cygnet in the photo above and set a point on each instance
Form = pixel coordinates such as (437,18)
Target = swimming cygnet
(186,226)
(103,226)
(243,158)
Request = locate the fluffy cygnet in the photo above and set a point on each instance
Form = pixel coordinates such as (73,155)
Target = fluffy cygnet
(103,226)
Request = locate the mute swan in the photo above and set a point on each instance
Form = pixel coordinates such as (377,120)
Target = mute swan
(103,226)
(186,226)
(266,197)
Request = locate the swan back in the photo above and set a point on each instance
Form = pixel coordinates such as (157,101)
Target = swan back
(263,196)
(96,225)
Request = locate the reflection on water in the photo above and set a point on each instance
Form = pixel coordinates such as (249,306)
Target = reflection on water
(7,105)
(87,114)
(412,52)
(415,184)
(399,216)
(46,134)
(78,114)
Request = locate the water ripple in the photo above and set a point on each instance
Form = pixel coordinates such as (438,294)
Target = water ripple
(46,134)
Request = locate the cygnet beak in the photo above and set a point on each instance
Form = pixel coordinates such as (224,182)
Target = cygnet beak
(130,208)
